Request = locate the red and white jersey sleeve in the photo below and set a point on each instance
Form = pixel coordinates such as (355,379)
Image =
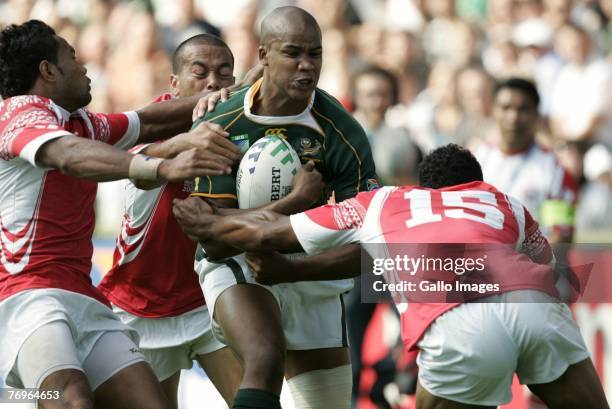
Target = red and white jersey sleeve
(331,225)
(26,123)
(535,245)
(120,130)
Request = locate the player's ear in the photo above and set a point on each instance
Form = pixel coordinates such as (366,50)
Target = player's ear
(174,84)
(48,71)
(263,55)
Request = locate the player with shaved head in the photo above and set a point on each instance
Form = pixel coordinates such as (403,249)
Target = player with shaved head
(296,329)
(152,284)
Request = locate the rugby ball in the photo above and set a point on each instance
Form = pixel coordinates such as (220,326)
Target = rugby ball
(266,172)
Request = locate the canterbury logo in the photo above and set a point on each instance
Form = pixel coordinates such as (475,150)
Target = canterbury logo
(276,131)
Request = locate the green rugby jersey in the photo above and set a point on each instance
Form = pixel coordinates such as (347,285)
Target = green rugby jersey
(324,133)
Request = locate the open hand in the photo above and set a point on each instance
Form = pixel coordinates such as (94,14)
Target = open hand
(208,103)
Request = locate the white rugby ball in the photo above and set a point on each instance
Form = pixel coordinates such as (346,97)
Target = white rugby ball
(266,172)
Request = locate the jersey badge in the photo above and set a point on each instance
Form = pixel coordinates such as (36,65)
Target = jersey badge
(309,147)
(241,141)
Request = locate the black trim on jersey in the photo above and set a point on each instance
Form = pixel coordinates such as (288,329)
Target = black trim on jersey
(343,322)
(236,270)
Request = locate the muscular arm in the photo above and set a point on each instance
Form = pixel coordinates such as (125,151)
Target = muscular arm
(165,119)
(335,264)
(217,249)
(252,231)
(101,162)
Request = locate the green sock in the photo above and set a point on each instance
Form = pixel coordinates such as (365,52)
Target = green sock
(256,399)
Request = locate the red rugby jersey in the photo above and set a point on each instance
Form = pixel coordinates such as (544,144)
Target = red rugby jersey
(47,218)
(470,214)
(152,274)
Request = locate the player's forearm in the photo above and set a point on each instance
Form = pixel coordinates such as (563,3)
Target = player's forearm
(217,249)
(335,264)
(286,206)
(165,119)
(82,158)
(158,150)
(255,231)
(165,149)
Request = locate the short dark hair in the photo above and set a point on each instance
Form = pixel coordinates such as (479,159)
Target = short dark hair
(381,72)
(449,165)
(204,39)
(22,48)
(525,86)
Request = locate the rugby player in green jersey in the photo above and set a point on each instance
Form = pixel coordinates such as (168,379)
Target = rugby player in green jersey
(251,317)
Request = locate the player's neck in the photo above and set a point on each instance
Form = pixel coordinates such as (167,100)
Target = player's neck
(270,101)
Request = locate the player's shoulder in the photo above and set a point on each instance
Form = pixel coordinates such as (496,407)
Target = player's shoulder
(335,119)
(19,103)
(328,106)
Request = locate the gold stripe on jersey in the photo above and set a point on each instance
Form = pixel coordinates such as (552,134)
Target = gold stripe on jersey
(216,196)
(347,143)
(225,114)
(233,121)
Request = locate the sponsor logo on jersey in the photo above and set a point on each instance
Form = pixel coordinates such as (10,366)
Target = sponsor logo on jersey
(276,132)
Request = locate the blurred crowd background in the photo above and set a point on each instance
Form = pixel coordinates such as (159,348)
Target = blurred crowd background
(416,73)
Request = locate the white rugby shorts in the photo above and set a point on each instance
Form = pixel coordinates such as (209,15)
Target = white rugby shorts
(84,322)
(312,313)
(170,344)
(470,353)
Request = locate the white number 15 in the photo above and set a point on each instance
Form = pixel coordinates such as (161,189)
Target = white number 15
(422,211)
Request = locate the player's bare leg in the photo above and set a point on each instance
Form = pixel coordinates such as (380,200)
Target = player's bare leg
(170,388)
(578,387)
(425,400)
(224,371)
(251,322)
(320,378)
(74,390)
(134,387)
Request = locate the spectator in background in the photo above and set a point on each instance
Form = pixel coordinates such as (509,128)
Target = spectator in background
(557,12)
(536,59)
(595,206)
(374,91)
(581,100)
(475,97)
(518,166)
(137,59)
(434,115)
